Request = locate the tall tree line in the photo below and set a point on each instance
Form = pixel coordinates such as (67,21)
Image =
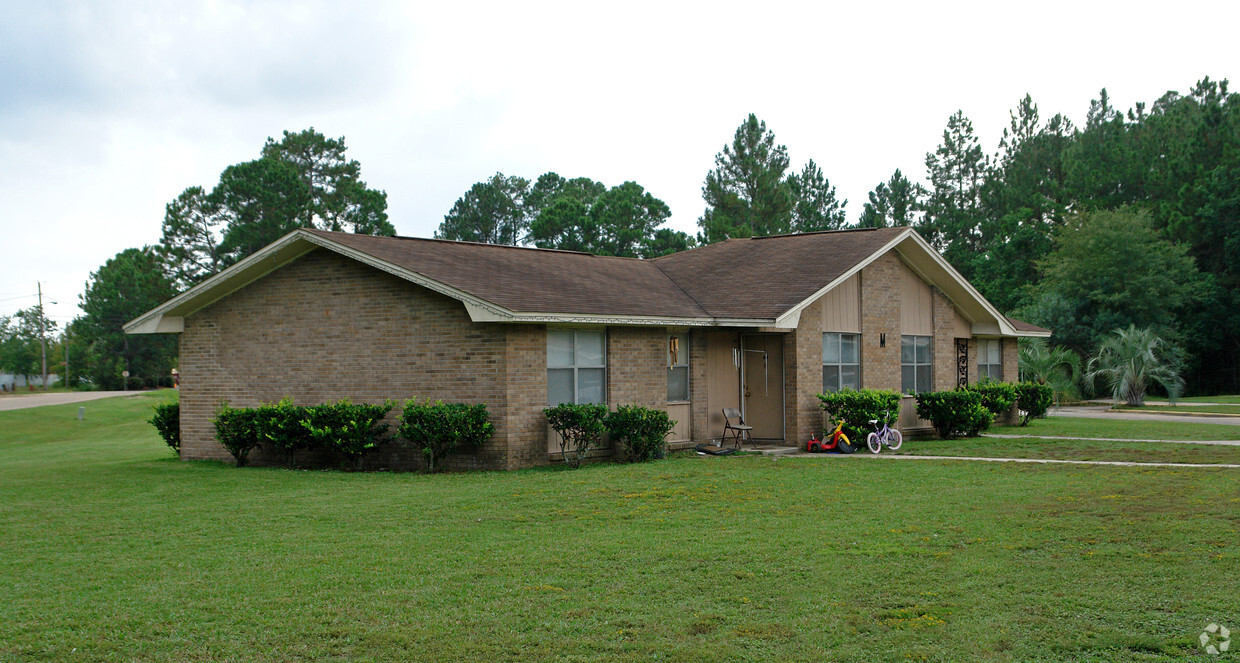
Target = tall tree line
(1132,218)
(553,212)
(303,180)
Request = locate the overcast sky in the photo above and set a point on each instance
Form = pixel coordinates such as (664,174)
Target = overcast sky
(108,110)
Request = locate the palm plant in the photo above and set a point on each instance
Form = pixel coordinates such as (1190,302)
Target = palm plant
(1056,366)
(1130,360)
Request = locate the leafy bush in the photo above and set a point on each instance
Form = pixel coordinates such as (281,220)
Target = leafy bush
(441,428)
(996,396)
(347,428)
(237,430)
(1033,400)
(954,413)
(857,407)
(167,420)
(279,424)
(579,427)
(641,431)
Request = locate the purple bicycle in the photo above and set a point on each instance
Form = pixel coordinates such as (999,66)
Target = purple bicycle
(883,436)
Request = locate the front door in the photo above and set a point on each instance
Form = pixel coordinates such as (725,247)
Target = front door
(762,384)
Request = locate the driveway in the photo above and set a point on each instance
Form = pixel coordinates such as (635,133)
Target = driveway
(1086,412)
(22,401)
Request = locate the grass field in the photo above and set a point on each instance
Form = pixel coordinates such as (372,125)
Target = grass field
(1231,398)
(1137,452)
(112,550)
(1111,428)
(1216,408)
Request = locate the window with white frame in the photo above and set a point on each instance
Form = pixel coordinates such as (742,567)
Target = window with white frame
(989,359)
(576,366)
(677,368)
(841,361)
(915,364)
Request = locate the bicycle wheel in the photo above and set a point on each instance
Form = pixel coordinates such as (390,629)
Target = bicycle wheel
(844,446)
(895,439)
(872,442)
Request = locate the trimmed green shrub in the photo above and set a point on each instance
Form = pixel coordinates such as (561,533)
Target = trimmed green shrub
(346,428)
(439,428)
(640,430)
(857,407)
(1033,400)
(580,426)
(167,420)
(236,429)
(996,396)
(279,425)
(954,413)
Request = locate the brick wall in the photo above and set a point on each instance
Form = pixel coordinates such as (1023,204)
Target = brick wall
(880,314)
(944,343)
(803,376)
(326,327)
(637,367)
(698,390)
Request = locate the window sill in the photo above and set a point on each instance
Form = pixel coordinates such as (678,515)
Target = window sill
(680,402)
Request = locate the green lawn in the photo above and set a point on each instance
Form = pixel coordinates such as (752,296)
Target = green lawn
(1217,408)
(1138,452)
(112,550)
(1232,398)
(1112,428)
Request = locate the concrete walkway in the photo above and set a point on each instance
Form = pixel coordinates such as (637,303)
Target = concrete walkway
(1086,412)
(1226,443)
(23,401)
(1043,461)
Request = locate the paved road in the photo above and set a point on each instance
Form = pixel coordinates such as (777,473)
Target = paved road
(1086,412)
(22,401)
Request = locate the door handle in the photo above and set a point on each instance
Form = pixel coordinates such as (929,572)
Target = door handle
(746,391)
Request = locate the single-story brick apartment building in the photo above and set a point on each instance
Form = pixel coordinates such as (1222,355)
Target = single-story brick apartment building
(761,324)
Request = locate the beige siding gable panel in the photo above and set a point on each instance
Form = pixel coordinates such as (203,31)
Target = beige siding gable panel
(841,307)
(916,304)
(963,328)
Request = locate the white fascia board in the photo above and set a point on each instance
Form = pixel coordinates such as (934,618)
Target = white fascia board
(1005,328)
(791,318)
(217,287)
(1034,334)
(495,314)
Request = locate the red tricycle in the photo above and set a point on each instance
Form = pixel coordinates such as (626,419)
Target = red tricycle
(837,441)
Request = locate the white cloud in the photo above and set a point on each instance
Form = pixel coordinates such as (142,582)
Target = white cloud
(108,111)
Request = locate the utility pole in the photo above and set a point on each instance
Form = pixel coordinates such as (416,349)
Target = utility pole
(42,334)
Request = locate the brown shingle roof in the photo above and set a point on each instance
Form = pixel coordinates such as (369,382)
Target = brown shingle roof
(534,280)
(763,277)
(754,278)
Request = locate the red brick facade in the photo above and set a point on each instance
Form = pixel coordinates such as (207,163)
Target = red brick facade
(326,327)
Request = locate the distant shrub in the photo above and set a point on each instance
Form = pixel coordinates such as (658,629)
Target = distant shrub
(857,407)
(346,428)
(439,428)
(236,430)
(167,420)
(954,413)
(580,426)
(641,432)
(1033,400)
(996,396)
